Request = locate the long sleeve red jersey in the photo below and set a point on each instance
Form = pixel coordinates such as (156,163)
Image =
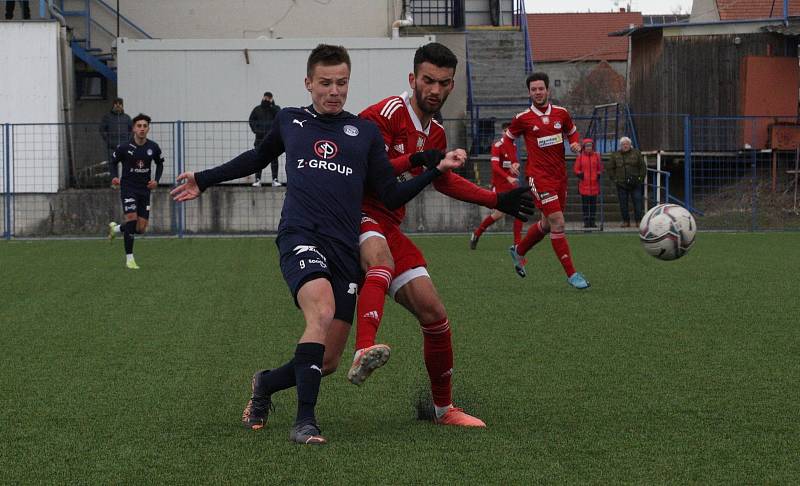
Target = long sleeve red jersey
(403,135)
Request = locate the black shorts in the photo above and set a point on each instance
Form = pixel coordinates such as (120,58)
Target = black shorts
(136,201)
(306,256)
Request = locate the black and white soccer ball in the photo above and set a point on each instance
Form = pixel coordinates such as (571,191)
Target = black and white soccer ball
(667,231)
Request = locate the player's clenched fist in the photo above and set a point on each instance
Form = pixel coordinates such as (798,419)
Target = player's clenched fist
(187,188)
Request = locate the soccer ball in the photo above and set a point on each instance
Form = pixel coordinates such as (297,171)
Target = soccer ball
(667,231)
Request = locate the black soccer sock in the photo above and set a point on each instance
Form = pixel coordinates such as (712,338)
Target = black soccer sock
(271,381)
(308,373)
(128,230)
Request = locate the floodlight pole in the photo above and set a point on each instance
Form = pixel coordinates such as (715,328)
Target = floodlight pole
(117,19)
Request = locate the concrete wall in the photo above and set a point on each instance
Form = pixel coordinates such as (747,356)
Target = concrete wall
(220,210)
(242,19)
(224,79)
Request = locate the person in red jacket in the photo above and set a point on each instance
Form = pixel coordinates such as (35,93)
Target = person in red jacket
(588,167)
(505,175)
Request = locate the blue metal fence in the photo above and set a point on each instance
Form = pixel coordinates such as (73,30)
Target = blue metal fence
(54,178)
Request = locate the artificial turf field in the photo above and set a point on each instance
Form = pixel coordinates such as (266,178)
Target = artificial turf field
(662,372)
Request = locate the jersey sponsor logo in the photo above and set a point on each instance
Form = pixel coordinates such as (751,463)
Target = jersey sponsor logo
(352,289)
(324,165)
(299,122)
(350,130)
(326,149)
(306,248)
(400,148)
(550,140)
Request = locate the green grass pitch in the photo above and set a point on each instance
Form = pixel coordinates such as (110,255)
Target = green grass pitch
(663,372)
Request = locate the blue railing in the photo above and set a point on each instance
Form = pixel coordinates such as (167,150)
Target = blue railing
(726,174)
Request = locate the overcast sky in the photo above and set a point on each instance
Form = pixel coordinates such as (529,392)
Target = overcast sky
(644,6)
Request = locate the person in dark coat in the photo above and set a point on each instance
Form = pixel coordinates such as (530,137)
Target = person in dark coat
(260,123)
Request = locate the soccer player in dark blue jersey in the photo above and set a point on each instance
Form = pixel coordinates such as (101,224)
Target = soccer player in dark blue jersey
(136,182)
(331,156)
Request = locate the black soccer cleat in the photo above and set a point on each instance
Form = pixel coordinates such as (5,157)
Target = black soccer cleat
(255,413)
(308,434)
(473,241)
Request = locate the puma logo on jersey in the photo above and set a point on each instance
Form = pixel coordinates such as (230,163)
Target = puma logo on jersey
(299,122)
(315,367)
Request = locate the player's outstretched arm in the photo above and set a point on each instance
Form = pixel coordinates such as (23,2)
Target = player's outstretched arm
(187,188)
(394,194)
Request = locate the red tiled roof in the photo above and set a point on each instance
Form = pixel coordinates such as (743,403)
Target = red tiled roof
(580,36)
(755,9)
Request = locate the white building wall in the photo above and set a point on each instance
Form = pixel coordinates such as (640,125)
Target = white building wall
(30,92)
(222,80)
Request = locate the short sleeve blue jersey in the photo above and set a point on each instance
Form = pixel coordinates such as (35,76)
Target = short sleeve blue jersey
(137,162)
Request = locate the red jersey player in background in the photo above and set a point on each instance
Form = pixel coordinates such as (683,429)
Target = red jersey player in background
(391,260)
(505,173)
(544,126)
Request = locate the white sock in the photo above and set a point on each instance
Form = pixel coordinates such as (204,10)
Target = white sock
(129,257)
(440,411)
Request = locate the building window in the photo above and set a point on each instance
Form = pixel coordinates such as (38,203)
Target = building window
(557,83)
(90,86)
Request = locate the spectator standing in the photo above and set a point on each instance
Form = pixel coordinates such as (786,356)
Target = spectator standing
(261,119)
(628,170)
(588,167)
(115,128)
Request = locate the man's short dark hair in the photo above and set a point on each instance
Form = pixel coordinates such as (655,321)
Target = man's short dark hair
(538,76)
(267,93)
(505,125)
(327,55)
(436,54)
(140,116)
(118,100)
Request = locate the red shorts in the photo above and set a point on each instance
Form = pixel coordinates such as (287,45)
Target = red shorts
(549,197)
(405,253)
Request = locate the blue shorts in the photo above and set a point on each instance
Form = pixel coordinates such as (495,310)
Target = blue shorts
(136,201)
(306,256)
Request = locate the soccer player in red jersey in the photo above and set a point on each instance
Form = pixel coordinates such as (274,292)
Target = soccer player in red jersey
(391,260)
(544,127)
(505,171)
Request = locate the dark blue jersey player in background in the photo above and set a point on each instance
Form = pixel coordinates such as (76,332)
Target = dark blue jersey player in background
(136,182)
(331,155)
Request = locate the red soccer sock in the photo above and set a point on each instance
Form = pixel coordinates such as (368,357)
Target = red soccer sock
(517,231)
(488,221)
(561,247)
(369,310)
(438,350)
(534,235)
